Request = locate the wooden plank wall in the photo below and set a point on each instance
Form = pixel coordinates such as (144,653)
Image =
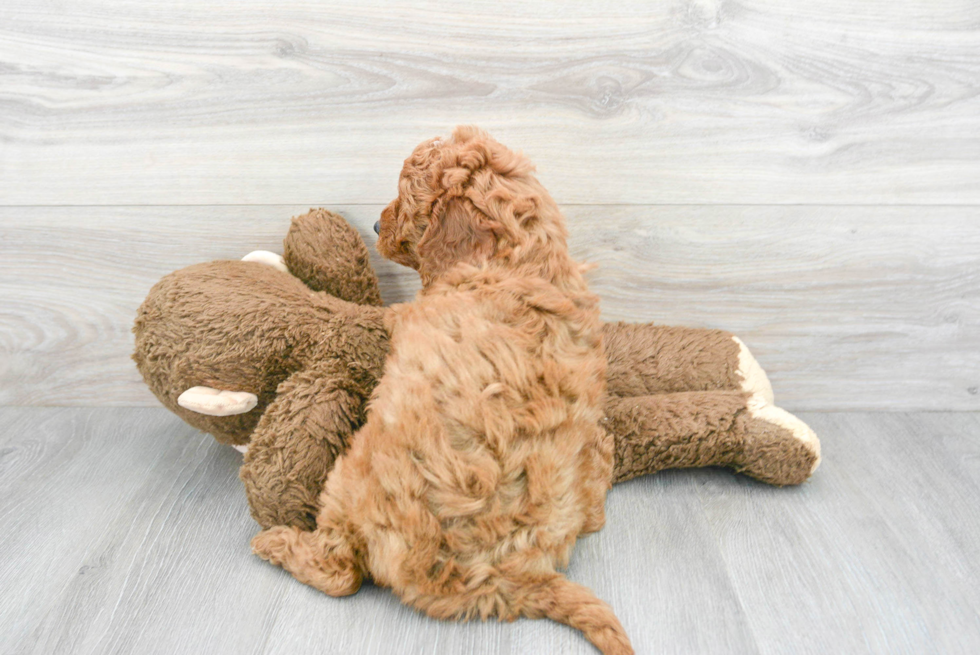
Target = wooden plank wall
(806,175)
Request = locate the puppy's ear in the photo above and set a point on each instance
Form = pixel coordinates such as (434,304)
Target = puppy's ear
(459,234)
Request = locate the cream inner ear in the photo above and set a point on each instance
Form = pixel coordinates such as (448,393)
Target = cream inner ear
(268,258)
(217,402)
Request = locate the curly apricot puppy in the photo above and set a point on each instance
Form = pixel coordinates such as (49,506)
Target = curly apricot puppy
(482,459)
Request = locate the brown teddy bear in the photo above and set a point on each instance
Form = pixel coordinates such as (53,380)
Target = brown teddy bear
(280,355)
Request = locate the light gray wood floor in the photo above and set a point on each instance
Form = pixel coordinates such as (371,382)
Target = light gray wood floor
(124,531)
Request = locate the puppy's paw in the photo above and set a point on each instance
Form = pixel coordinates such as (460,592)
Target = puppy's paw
(276,544)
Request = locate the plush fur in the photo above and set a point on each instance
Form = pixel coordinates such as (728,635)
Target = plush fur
(675,396)
(482,459)
(311,357)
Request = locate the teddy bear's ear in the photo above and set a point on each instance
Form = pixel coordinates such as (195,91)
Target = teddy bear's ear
(217,402)
(327,253)
(459,233)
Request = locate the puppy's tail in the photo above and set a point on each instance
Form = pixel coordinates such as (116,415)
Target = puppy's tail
(557,598)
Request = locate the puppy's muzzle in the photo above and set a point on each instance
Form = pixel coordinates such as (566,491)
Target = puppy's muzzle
(377,227)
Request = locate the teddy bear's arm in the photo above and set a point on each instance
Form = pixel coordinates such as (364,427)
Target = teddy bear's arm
(295,444)
(327,253)
(709,428)
(644,359)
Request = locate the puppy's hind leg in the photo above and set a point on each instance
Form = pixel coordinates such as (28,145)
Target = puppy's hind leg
(323,559)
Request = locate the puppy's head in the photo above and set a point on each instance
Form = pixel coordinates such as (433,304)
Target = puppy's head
(454,204)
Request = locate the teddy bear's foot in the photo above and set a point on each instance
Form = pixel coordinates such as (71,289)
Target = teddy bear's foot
(755,382)
(778,447)
(217,402)
(268,258)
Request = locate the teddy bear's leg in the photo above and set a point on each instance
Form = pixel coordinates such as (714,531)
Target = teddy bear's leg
(710,428)
(644,359)
(295,444)
(328,254)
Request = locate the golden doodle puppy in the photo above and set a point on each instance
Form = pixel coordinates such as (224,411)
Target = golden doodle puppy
(482,459)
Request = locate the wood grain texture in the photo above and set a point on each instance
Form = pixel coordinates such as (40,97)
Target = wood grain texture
(845,307)
(110,516)
(677,101)
(879,551)
(125,531)
(151,555)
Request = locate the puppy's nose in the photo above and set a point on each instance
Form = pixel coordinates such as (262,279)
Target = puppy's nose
(377,227)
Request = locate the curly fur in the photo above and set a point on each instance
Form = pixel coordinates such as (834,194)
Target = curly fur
(482,458)
(674,396)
